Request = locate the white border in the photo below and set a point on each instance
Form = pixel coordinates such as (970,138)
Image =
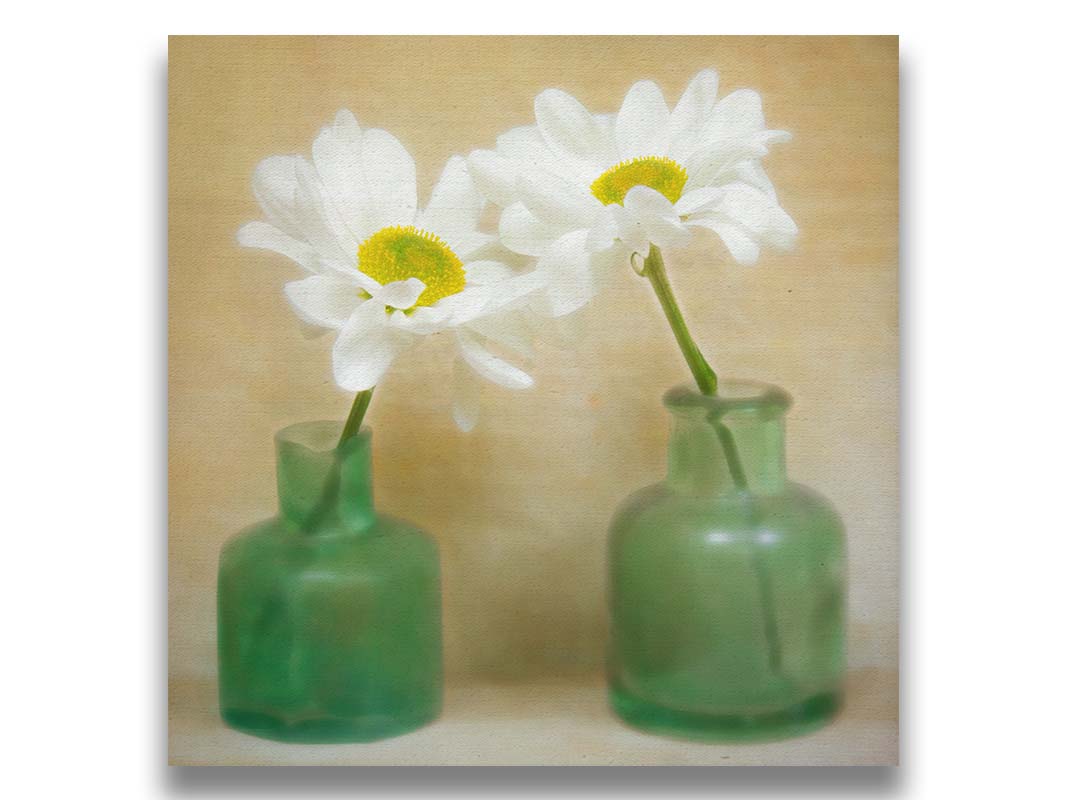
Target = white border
(983,320)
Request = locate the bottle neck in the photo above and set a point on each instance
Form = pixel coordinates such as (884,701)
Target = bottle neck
(321,486)
(721,446)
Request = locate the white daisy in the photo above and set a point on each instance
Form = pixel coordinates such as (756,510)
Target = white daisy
(577,188)
(382,273)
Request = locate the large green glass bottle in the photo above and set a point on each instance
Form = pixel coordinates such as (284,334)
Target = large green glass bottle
(727,581)
(329,614)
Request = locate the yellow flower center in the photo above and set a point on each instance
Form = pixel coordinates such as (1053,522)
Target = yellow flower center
(657,172)
(403,251)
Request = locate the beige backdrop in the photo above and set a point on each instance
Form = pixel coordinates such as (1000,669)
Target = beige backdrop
(520,506)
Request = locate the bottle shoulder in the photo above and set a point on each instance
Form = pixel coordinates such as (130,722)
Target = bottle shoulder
(657,508)
(812,502)
(396,528)
(278,538)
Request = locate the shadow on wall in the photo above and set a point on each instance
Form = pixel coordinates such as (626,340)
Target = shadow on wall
(523,589)
(522,530)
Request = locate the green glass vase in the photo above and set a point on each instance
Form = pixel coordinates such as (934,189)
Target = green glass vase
(727,581)
(329,614)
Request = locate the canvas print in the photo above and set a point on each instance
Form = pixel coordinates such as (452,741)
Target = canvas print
(533,400)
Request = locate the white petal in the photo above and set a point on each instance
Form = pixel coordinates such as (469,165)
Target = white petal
(566,269)
(274,186)
(390,175)
(309,331)
(505,294)
(491,367)
(733,159)
(494,175)
(455,204)
(530,155)
(568,128)
(509,330)
(526,150)
(345,124)
(752,173)
(338,158)
(782,231)
(466,395)
(671,237)
(267,237)
(738,114)
(645,200)
(478,301)
(364,349)
(691,113)
(424,320)
(557,202)
(520,142)
(604,230)
(324,301)
(631,232)
(348,270)
(522,232)
(480,273)
(772,137)
(456,309)
(401,294)
(741,246)
(318,222)
(468,244)
(643,125)
(709,164)
(656,216)
(699,200)
(757,213)
(362,280)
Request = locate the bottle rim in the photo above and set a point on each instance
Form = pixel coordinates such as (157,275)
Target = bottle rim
(733,396)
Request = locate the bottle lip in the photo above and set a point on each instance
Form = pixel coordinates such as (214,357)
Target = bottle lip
(733,396)
(318,436)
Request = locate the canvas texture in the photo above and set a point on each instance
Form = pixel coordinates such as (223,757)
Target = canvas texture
(520,506)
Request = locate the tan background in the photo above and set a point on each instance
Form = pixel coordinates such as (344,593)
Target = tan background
(520,506)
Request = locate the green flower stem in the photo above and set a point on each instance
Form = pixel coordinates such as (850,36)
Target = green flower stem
(355,416)
(706,379)
(708,383)
(705,376)
(332,487)
(729,449)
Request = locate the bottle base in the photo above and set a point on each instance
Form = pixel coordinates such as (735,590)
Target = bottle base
(796,720)
(324,730)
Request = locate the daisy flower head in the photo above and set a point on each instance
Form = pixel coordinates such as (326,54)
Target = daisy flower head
(580,189)
(383,274)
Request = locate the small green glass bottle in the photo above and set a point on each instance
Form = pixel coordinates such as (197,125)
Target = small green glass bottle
(329,614)
(727,582)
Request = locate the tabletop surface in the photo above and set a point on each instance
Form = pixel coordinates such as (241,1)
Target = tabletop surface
(541,722)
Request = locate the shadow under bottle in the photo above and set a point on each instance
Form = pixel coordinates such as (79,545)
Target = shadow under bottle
(727,581)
